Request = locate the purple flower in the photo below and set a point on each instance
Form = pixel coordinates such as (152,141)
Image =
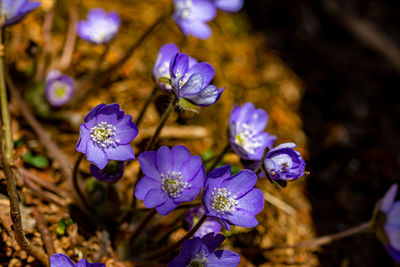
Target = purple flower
(171,177)
(59,88)
(246,136)
(15,10)
(192,15)
(391,227)
(111,173)
(105,135)
(229,5)
(163,62)
(208,226)
(232,198)
(192,82)
(284,163)
(61,260)
(201,252)
(99,27)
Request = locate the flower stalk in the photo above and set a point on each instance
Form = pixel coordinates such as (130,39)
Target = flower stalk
(319,241)
(219,158)
(165,252)
(150,145)
(146,105)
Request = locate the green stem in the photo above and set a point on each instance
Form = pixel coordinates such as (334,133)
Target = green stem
(219,157)
(150,145)
(158,254)
(146,105)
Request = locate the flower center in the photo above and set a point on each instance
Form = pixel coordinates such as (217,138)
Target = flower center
(183,9)
(172,183)
(223,201)
(199,260)
(59,90)
(247,139)
(104,134)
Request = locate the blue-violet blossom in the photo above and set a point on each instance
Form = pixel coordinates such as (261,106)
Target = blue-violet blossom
(229,5)
(62,260)
(59,88)
(106,134)
(13,11)
(171,176)
(200,252)
(193,82)
(99,27)
(284,163)
(391,227)
(209,225)
(192,15)
(111,173)
(163,62)
(232,198)
(246,136)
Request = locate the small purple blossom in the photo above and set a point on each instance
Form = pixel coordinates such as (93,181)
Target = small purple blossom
(209,225)
(59,88)
(171,176)
(62,260)
(232,198)
(13,11)
(192,15)
(284,163)
(391,209)
(106,134)
(163,62)
(99,27)
(201,252)
(111,173)
(229,5)
(246,132)
(193,82)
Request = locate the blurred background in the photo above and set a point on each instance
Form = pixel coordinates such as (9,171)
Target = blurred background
(347,55)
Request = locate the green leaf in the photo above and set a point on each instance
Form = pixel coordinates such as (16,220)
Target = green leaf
(38,161)
(186,105)
(63,225)
(208,154)
(164,80)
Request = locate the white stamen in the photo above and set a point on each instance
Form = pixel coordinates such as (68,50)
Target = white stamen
(247,138)
(223,201)
(172,183)
(104,134)
(183,10)
(199,260)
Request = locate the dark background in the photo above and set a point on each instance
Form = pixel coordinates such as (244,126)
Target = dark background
(346,53)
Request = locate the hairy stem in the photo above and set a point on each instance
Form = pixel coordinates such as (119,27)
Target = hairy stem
(158,254)
(146,105)
(75,175)
(219,157)
(150,145)
(139,229)
(319,241)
